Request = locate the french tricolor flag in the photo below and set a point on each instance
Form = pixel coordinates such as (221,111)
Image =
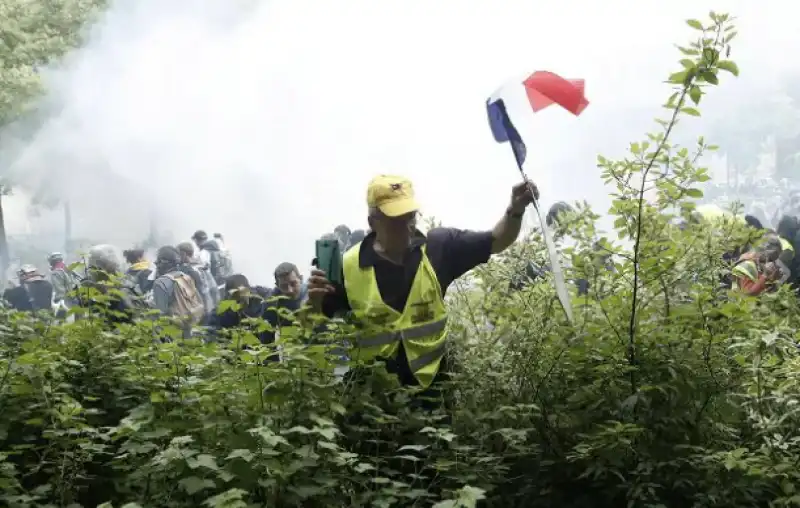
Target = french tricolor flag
(542,88)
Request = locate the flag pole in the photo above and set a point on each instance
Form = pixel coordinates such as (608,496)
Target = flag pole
(555,264)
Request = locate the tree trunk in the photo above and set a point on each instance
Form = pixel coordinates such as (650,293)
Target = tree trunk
(4,257)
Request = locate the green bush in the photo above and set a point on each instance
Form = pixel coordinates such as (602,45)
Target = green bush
(668,390)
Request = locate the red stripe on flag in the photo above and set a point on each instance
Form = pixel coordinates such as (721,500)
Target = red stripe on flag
(545,88)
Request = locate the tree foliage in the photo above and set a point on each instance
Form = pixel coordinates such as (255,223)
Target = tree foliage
(34,33)
(670,390)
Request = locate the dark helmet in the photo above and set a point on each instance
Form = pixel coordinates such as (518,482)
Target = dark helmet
(556,210)
(168,256)
(753,221)
(200,236)
(788,226)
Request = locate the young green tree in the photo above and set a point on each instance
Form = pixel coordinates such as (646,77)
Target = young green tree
(33,34)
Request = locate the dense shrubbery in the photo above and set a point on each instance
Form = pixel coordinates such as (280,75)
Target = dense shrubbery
(669,390)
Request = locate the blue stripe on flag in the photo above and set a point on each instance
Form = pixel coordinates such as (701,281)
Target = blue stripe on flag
(503,129)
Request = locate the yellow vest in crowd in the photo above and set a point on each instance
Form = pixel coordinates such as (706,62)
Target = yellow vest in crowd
(421,327)
(786,245)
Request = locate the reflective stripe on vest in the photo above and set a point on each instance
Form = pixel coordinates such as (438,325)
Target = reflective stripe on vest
(421,328)
(416,332)
(429,357)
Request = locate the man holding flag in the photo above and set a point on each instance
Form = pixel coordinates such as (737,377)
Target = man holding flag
(396,278)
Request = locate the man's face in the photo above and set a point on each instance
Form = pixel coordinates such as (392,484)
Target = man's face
(395,232)
(200,240)
(289,285)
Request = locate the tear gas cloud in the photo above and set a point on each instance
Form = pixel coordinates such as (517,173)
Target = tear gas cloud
(265,120)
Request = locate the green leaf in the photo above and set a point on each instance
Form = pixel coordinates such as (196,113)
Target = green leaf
(710,56)
(204,461)
(694,193)
(695,24)
(327,433)
(363,467)
(241,453)
(695,93)
(710,77)
(690,111)
(688,63)
(729,66)
(678,78)
(416,448)
(688,51)
(193,484)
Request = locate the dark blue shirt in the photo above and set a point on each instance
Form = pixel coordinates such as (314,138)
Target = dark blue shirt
(451,252)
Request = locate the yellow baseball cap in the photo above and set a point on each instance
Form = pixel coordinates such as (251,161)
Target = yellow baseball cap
(392,195)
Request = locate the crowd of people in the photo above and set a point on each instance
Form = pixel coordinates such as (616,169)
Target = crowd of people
(187,281)
(392,283)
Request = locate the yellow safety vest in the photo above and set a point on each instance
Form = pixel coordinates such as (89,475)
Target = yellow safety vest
(786,245)
(716,214)
(421,327)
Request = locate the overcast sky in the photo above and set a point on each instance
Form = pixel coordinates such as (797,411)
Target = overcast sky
(267,126)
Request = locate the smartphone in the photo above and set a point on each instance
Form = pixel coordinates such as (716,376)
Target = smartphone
(329,259)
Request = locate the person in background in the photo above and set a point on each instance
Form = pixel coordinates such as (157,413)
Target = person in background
(289,284)
(355,238)
(251,303)
(786,231)
(200,238)
(220,241)
(753,222)
(558,212)
(203,281)
(288,296)
(214,257)
(62,279)
(102,275)
(224,260)
(397,279)
(140,271)
(33,294)
(174,292)
(342,234)
(756,270)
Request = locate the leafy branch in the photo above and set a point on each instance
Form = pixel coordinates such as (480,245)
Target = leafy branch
(661,168)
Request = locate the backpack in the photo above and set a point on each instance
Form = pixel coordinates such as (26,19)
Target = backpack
(187,302)
(211,284)
(134,297)
(221,265)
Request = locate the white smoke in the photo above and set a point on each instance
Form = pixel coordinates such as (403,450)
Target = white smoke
(264,120)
